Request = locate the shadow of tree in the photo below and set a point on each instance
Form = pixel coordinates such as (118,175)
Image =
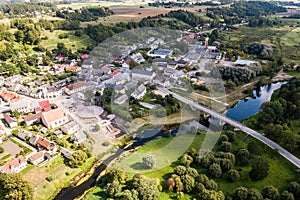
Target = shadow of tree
(138,166)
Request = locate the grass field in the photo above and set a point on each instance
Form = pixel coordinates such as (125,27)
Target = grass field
(71,42)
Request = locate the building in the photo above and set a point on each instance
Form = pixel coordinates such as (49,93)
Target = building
(30,119)
(37,158)
(139,74)
(79,137)
(44,144)
(52,92)
(54,118)
(163,53)
(9,96)
(243,63)
(76,87)
(10,121)
(140,92)
(66,153)
(138,58)
(45,105)
(23,106)
(70,127)
(14,166)
(122,99)
(24,135)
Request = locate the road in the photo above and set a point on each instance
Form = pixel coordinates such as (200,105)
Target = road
(290,157)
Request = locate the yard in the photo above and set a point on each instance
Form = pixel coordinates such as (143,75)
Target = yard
(58,174)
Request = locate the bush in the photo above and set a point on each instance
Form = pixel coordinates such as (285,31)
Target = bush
(106,143)
(1,150)
(49,178)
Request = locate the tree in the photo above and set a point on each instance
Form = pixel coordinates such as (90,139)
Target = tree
(15,114)
(188,182)
(233,175)
(294,188)
(180,170)
(149,161)
(240,193)
(147,188)
(113,189)
(130,195)
(254,194)
(19,35)
(13,187)
(243,156)
(170,183)
(77,158)
(192,172)
(225,164)
(97,127)
(116,175)
(231,135)
(260,169)
(186,160)
(226,146)
(287,196)
(215,170)
(223,138)
(270,192)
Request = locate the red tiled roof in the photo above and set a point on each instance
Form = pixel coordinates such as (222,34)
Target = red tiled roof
(46,144)
(9,119)
(84,56)
(76,85)
(32,117)
(115,72)
(45,105)
(16,162)
(36,156)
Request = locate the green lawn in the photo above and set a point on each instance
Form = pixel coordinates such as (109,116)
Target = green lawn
(165,151)
(71,42)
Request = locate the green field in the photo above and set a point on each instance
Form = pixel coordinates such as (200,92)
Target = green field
(281,171)
(71,42)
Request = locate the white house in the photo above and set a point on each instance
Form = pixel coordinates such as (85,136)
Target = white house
(70,127)
(23,106)
(140,92)
(37,158)
(14,166)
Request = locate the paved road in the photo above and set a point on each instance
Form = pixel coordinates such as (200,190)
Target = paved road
(293,159)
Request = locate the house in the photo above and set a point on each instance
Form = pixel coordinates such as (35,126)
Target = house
(54,118)
(240,62)
(10,121)
(75,69)
(37,158)
(24,135)
(14,166)
(70,127)
(139,92)
(30,119)
(138,58)
(52,92)
(76,87)
(79,137)
(165,82)
(44,144)
(66,152)
(122,99)
(9,96)
(139,74)
(23,106)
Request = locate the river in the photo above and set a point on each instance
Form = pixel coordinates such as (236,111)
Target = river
(246,108)
(243,110)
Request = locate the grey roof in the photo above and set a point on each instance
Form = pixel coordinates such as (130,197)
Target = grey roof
(142,72)
(23,134)
(80,137)
(131,85)
(160,60)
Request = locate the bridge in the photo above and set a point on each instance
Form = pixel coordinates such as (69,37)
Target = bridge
(287,155)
